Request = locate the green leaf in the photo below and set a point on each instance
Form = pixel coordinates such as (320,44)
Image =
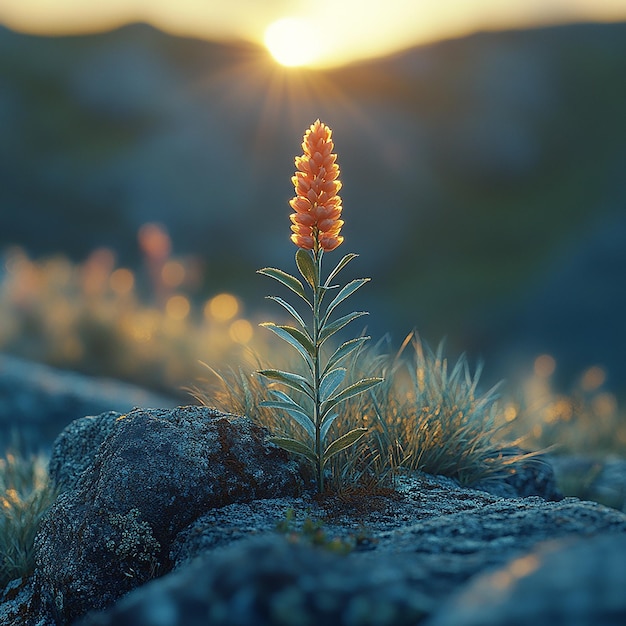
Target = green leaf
(289,308)
(331,329)
(346,259)
(307,267)
(353,390)
(281,395)
(296,338)
(294,381)
(343,351)
(322,293)
(291,282)
(295,446)
(296,412)
(342,443)
(328,422)
(346,292)
(330,382)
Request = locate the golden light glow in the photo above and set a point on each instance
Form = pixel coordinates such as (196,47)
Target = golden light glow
(154,241)
(97,270)
(177,307)
(510,412)
(523,566)
(545,366)
(142,326)
(604,404)
(293,41)
(241,331)
(173,274)
(222,307)
(593,378)
(122,281)
(352,29)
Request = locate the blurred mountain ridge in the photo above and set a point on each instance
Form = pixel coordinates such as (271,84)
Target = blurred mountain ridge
(479,173)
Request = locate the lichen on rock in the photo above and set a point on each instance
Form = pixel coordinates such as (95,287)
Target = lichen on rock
(154,472)
(135,543)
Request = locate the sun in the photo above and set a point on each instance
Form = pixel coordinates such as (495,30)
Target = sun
(292,41)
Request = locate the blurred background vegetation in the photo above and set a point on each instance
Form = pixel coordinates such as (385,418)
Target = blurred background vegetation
(144,178)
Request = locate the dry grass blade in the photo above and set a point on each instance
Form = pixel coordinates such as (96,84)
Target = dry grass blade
(26,496)
(426,415)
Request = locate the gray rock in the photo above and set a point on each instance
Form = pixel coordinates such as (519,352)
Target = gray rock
(16,596)
(602,480)
(578,582)
(38,401)
(74,450)
(392,520)
(17,603)
(430,540)
(532,476)
(272,581)
(506,524)
(156,472)
(194,497)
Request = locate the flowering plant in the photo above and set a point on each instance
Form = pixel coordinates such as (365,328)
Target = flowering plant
(316,225)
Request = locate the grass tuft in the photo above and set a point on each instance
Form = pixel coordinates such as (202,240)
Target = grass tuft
(26,495)
(427,415)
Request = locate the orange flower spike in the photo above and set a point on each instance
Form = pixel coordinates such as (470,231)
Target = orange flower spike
(317,205)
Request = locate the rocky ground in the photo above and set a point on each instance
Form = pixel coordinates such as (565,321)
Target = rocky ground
(189,516)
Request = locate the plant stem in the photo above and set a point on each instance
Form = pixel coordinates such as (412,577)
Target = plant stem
(317,296)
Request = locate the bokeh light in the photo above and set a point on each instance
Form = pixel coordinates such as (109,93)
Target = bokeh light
(604,404)
(241,331)
(173,274)
(154,241)
(222,307)
(122,281)
(96,271)
(545,365)
(177,307)
(593,378)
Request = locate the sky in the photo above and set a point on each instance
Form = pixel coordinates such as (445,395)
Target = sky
(328,33)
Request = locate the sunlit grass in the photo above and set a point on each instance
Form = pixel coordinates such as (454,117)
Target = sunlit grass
(149,326)
(427,415)
(25,496)
(102,319)
(585,421)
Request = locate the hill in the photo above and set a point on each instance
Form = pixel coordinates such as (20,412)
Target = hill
(483,177)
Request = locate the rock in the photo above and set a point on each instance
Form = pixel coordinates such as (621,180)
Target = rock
(495,532)
(532,476)
(228,524)
(74,450)
(172,519)
(38,401)
(562,583)
(430,539)
(16,605)
(271,581)
(156,472)
(602,480)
